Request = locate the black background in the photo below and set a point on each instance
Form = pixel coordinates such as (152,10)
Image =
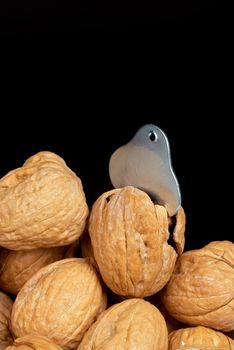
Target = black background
(37,19)
(84,95)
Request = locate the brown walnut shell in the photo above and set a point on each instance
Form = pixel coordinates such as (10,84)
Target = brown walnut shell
(131,324)
(60,301)
(42,204)
(17,267)
(201,289)
(33,342)
(129,235)
(199,338)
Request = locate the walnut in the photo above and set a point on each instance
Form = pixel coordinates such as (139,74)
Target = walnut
(131,324)
(42,204)
(129,236)
(16,267)
(196,338)
(5,313)
(201,289)
(60,301)
(33,342)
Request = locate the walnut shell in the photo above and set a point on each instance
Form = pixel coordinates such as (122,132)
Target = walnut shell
(199,338)
(17,267)
(5,314)
(201,289)
(33,342)
(60,301)
(131,324)
(42,204)
(129,237)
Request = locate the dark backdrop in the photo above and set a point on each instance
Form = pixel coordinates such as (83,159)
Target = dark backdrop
(39,18)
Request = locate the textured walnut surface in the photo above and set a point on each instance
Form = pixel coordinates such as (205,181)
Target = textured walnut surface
(129,237)
(201,289)
(42,204)
(60,301)
(16,267)
(199,338)
(33,342)
(131,324)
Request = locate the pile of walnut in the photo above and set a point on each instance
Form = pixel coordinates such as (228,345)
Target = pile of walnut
(108,280)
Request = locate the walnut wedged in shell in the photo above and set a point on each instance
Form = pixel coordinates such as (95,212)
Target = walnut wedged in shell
(129,235)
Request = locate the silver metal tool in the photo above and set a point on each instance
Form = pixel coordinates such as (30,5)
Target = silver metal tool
(145,163)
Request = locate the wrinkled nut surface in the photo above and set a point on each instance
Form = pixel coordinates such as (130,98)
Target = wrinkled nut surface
(199,338)
(131,324)
(42,204)
(33,342)
(201,289)
(129,237)
(60,301)
(5,314)
(17,267)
